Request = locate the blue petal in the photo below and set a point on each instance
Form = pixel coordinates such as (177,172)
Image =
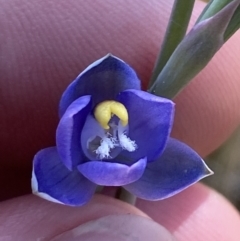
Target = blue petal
(150,122)
(103,80)
(69,132)
(51,180)
(112,174)
(178,168)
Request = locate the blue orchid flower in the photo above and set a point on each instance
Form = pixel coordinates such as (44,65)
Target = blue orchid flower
(113,134)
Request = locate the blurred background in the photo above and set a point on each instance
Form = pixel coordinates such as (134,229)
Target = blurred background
(225,162)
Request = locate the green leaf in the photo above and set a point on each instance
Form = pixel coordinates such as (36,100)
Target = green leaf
(234,25)
(204,11)
(213,7)
(193,53)
(176,31)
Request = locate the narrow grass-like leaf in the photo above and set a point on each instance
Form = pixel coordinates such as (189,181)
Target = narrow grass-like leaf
(193,53)
(204,10)
(175,32)
(234,24)
(213,7)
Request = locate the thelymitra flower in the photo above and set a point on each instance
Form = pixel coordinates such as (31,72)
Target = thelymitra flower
(111,133)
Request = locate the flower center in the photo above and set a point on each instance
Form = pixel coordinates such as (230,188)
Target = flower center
(106,109)
(115,130)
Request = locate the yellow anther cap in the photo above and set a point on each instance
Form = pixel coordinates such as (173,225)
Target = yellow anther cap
(106,109)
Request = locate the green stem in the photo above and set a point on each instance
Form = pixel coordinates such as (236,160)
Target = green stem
(99,189)
(126,196)
(176,31)
(194,52)
(213,7)
(234,25)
